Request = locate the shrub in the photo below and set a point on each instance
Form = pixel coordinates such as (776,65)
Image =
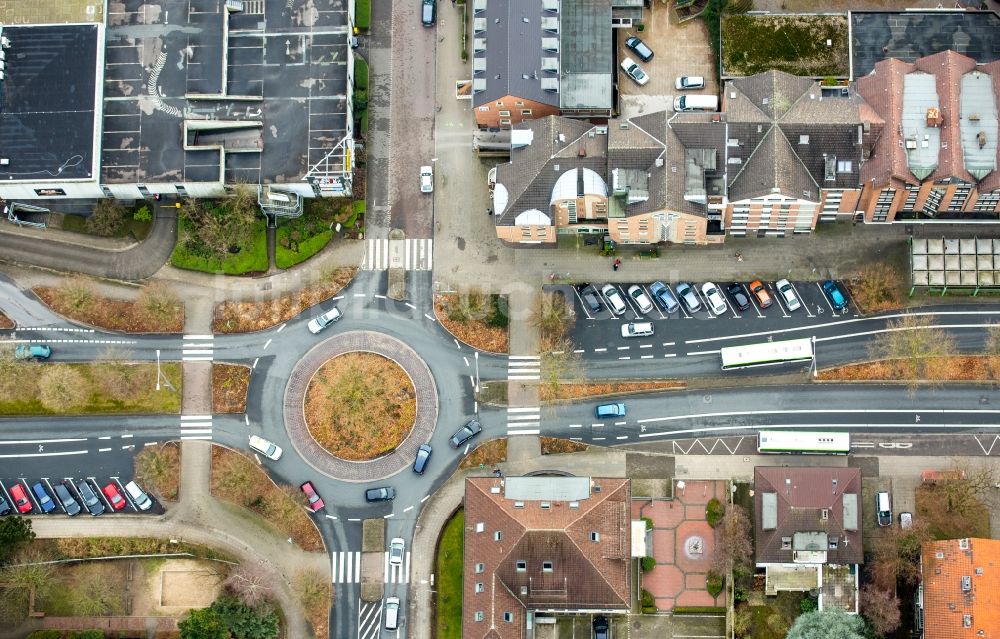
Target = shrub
(363,14)
(142,214)
(649,523)
(808,604)
(648,563)
(85,634)
(108,219)
(46,634)
(360,72)
(714,512)
(698,610)
(714,584)
(646,602)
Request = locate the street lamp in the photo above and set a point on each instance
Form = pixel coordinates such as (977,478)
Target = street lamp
(157,369)
(477,370)
(813,365)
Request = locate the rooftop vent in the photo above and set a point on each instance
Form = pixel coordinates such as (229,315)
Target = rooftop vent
(966,583)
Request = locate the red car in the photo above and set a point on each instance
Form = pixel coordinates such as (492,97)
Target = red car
(20,499)
(315,501)
(111,492)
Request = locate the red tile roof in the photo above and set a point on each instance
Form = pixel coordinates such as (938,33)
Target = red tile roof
(584,574)
(957,610)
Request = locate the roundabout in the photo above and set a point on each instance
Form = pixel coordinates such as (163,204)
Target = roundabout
(395,458)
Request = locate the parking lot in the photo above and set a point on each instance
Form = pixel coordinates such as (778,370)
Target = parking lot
(10,492)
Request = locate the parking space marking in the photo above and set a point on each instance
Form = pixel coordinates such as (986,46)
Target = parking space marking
(825,299)
(583,306)
(802,300)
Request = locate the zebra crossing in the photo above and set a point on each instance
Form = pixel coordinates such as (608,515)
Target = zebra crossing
(346,568)
(524,367)
(369,619)
(524,421)
(196,427)
(417,255)
(198,348)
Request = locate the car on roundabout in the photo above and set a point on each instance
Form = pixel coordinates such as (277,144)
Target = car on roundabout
(320,322)
(423,456)
(265,447)
(314,501)
(380,493)
(465,433)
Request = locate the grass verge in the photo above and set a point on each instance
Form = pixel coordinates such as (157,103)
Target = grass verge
(479,320)
(158,469)
(238,480)
(360,406)
(164,314)
(5,322)
(315,592)
(959,368)
(289,252)
(246,317)
(87,389)
(251,260)
(229,387)
(550,392)
(363,14)
(448,567)
(555,446)
(91,547)
(486,454)
(795,44)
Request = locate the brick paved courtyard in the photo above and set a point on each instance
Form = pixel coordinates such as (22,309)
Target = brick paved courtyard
(682,543)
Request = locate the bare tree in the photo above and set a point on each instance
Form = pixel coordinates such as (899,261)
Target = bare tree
(881,609)
(159,302)
(897,555)
(76,292)
(108,219)
(158,469)
(560,365)
(914,343)
(61,388)
(734,537)
(552,315)
(313,588)
(97,593)
(250,582)
(879,287)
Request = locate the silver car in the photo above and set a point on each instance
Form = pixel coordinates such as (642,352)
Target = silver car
(688,297)
(714,297)
(788,294)
(396,547)
(317,324)
(640,298)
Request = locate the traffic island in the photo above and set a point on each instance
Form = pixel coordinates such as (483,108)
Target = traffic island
(372,560)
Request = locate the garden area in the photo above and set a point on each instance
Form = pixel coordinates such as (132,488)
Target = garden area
(486,455)
(237,479)
(448,569)
(300,238)
(158,468)
(795,44)
(222,236)
(112,218)
(229,387)
(360,98)
(479,319)
(157,309)
(360,406)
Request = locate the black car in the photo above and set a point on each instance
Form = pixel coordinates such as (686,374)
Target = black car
(69,503)
(420,463)
(4,506)
(591,299)
(427,12)
(740,298)
(90,500)
(382,493)
(639,48)
(600,628)
(465,433)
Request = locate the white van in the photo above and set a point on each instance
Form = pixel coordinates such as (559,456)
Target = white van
(883,505)
(637,329)
(391,613)
(140,498)
(696,103)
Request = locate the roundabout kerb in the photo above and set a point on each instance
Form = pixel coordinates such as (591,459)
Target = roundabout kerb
(360,342)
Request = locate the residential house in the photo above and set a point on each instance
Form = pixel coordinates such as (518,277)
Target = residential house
(808,531)
(543,545)
(959,597)
(936,157)
(654,178)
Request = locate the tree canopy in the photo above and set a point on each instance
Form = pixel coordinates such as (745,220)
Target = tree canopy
(829,624)
(14,532)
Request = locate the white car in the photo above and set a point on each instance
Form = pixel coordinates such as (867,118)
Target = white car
(266,448)
(317,324)
(714,297)
(637,329)
(426,179)
(689,82)
(634,71)
(640,298)
(615,301)
(788,294)
(396,547)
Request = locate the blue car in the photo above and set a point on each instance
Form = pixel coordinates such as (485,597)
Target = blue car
(610,410)
(44,501)
(837,299)
(664,298)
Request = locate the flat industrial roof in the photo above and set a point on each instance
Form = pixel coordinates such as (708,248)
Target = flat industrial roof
(47,102)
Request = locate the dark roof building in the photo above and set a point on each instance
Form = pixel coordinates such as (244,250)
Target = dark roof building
(543,544)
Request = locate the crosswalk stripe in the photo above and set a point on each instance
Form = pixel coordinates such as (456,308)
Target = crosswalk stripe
(418,254)
(521,409)
(346,567)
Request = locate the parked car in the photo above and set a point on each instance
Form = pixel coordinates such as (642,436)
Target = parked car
(138,495)
(42,495)
(114,497)
(689,82)
(396,548)
(91,501)
(591,298)
(640,298)
(315,502)
(600,627)
(688,297)
(639,48)
(382,493)
(317,324)
(788,294)
(391,613)
(637,329)
(465,433)
(836,297)
(426,179)
(32,351)
(423,455)
(663,296)
(634,71)
(265,447)
(615,301)
(883,508)
(20,497)
(428,10)
(610,410)
(69,503)
(740,299)
(4,506)
(714,297)
(760,292)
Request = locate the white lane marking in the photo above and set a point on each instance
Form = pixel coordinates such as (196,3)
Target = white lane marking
(408,509)
(514,418)
(626,357)
(199,337)
(410,305)
(246,419)
(457,345)
(899,328)
(600,350)
(60,454)
(579,350)
(359,295)
(466,360)
(268,343)
(103,437)
(425,498)
(623,348)
(148,444)
(47,441)
(667,344)
(281,328)
(646,357)
(813,411)
(576,425)
(104,450)
(193,417)
(389,516)
(254,367)
(523,410)
(128,436)
(523,432)
(378,297)
(331,516)
(646,346)
(670,355)
(338,297)
(429,317)
(691,353)
(599,439)
(622,437)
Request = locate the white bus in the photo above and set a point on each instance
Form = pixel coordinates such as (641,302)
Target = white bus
(788,441)
(767,353)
